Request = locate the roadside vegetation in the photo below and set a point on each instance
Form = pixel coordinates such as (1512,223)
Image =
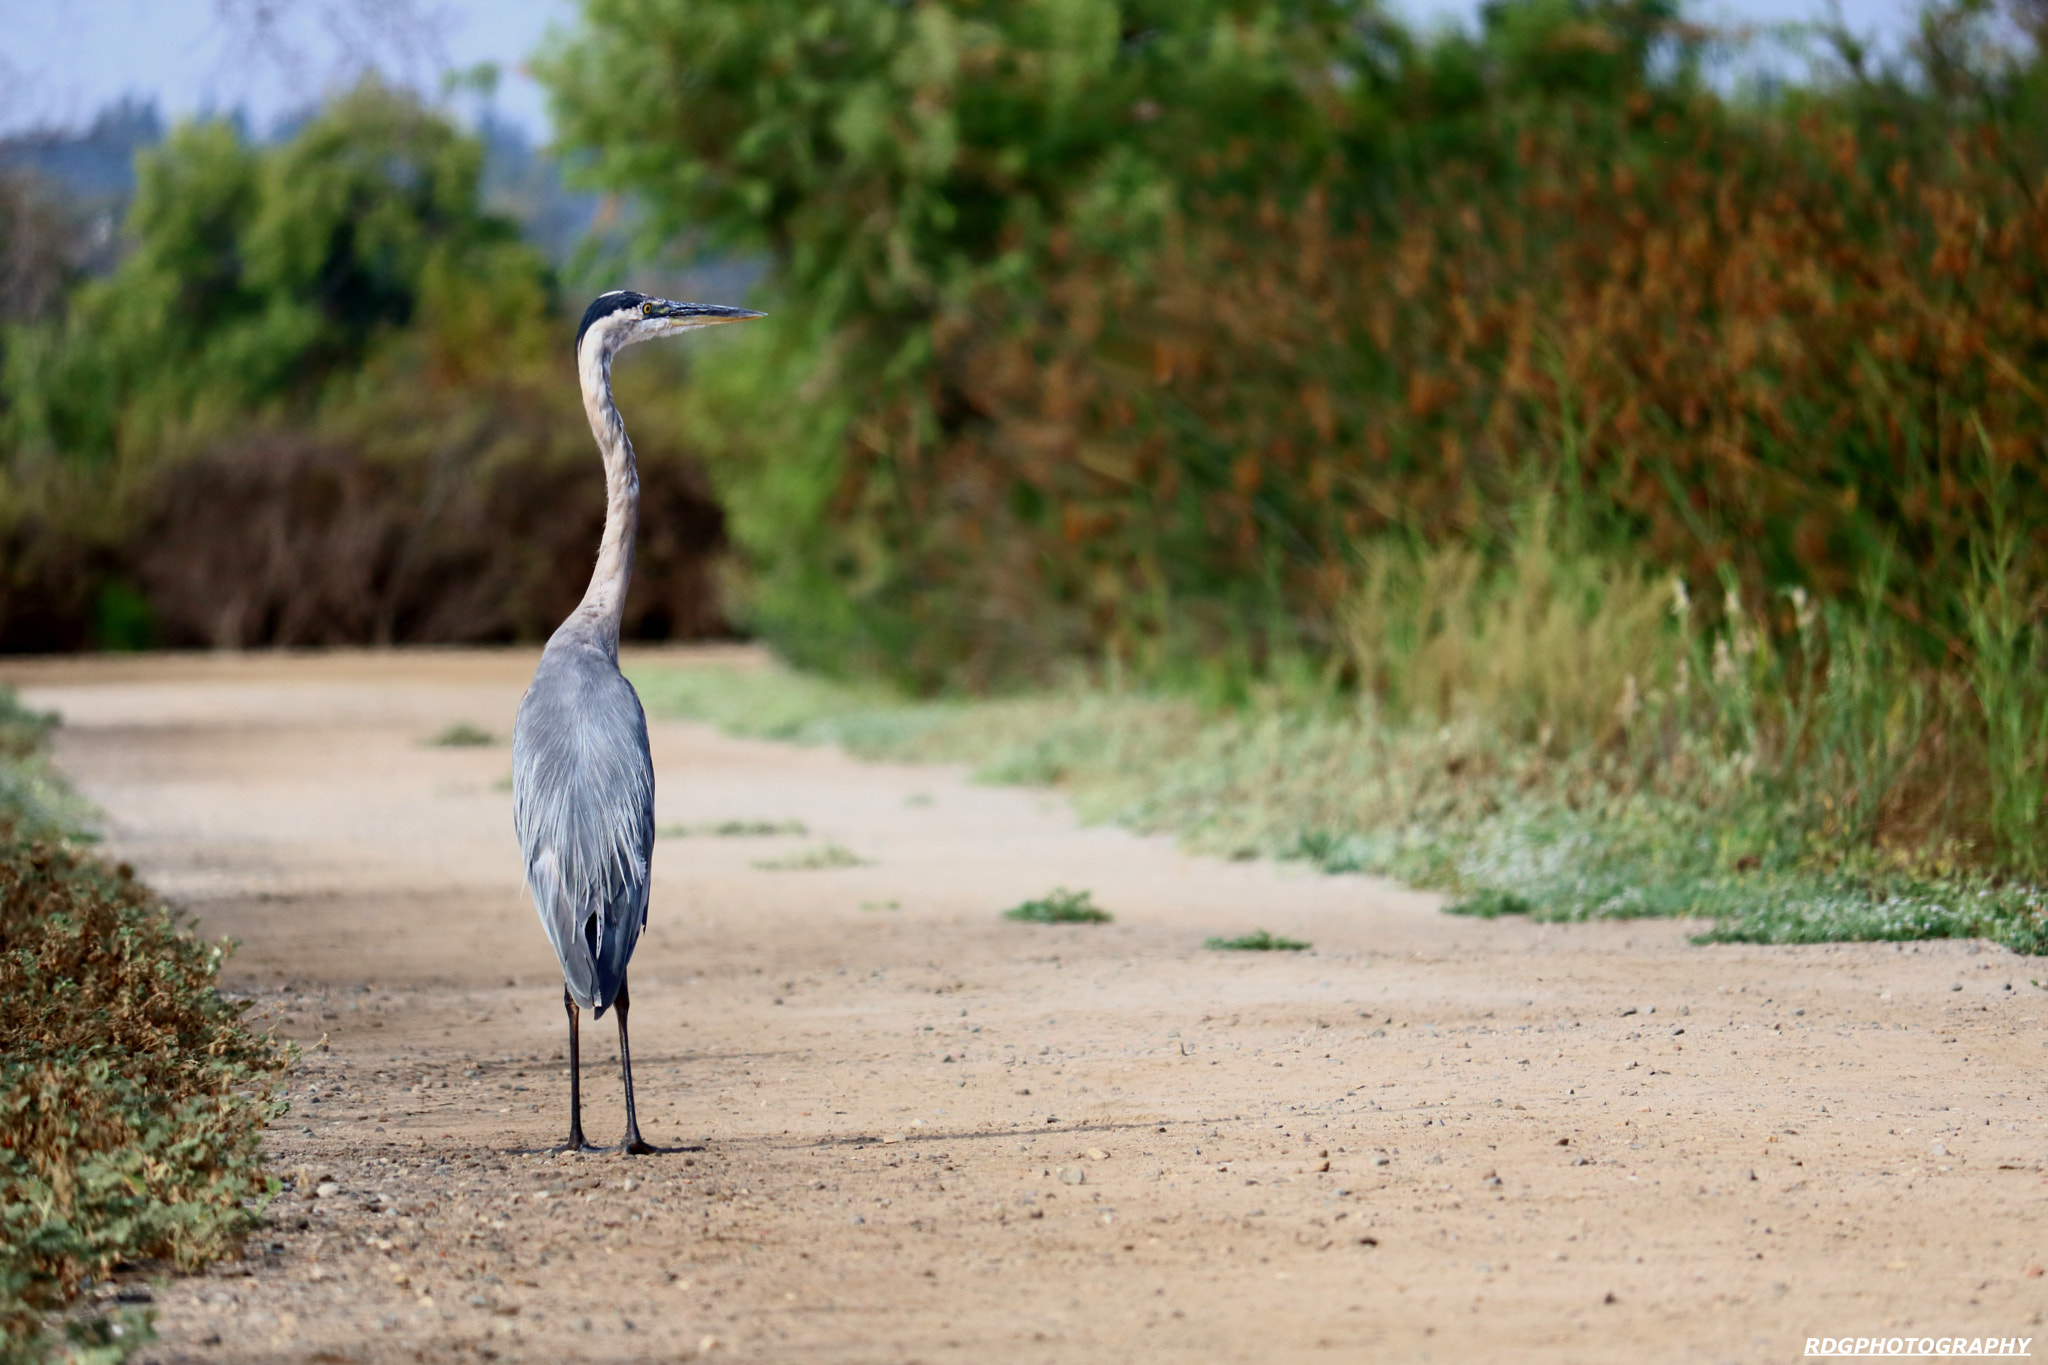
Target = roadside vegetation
(132,1097)
(1689,812)
(1516,461)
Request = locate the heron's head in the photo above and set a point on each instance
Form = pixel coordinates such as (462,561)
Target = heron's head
(617,320)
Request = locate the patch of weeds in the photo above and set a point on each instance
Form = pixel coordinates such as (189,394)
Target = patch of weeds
(502,783)
(463,735)
(813,860)
(1060,907)
(881,905)
(1491,903)
(132,1096)
(733,829)
(1259,942)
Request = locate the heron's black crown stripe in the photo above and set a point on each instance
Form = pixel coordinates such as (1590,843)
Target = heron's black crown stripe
(603,306)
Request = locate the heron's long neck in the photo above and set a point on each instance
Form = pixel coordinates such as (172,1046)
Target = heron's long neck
(604,601)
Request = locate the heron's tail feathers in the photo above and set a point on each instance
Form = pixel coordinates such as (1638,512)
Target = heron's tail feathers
(594,934)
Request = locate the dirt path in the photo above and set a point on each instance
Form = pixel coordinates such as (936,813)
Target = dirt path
(926,1134)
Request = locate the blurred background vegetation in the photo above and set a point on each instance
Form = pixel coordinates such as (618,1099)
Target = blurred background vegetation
(1604,437)
(320,396)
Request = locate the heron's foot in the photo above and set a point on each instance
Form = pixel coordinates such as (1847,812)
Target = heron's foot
(635,1145)
(576,1143)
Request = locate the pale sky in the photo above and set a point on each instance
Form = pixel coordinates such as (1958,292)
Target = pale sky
(60,61)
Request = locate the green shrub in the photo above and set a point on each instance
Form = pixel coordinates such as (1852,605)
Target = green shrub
(1257,942)
(1060,907)
(132,1097)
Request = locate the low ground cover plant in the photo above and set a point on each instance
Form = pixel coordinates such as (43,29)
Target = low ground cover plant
(1258,941)
(1060,906)
(132,1096)
(822,859)
(464,735)
(734,829)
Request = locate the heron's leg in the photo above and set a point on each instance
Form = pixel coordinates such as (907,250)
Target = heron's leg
(575,1142)
(635,1144)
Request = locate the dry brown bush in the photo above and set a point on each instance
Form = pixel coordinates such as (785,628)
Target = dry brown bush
(296,540)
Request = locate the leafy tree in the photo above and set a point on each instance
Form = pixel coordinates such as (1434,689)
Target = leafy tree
(908,168)
(257,275)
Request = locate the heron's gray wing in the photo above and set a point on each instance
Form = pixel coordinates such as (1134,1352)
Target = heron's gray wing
(583,806)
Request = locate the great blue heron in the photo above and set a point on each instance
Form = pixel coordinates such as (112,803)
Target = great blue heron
(582,777)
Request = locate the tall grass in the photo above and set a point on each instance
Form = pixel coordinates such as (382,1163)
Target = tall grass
(2008,670)
(1553,645)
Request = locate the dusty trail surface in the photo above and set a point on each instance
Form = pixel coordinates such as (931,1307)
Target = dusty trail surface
(918,1132)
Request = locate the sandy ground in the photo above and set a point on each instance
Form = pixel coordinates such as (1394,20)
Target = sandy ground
(913,1131)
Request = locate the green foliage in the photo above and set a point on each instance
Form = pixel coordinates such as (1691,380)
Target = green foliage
(1060,906)
(1547,641)
(733,829)
(899,162)
(325,398)
(464,735)
(1077,359)
(826,858)
(1790,792)
(132,1097)
(2008,652)
(1491,903)
(1257,942)
(258,274)
(1427,379)
(892,155)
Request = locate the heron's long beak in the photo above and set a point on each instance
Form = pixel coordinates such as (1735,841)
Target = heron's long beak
(687,315)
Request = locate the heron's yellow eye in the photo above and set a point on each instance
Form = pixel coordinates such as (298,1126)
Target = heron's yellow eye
(647,310)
